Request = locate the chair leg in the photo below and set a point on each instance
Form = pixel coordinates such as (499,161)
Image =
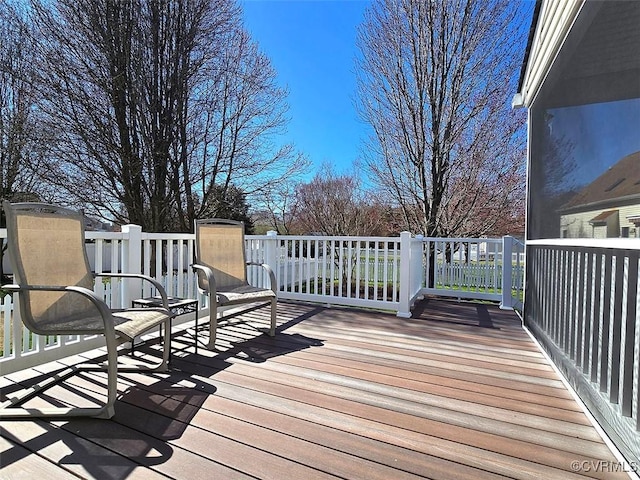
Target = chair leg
(112,377)
(11,407)
(272,330)
(213,324)
(166,347)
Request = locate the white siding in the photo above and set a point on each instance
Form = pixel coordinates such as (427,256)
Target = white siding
(554,22)
(577,225)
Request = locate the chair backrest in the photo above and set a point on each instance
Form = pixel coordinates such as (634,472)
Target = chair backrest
(220,246)
(46,248)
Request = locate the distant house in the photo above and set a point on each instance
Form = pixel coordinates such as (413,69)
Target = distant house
(608,207)
(95,225)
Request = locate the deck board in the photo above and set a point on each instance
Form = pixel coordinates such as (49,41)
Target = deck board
(458,392)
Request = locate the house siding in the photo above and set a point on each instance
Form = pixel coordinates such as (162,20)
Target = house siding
(576,225)
(555,21)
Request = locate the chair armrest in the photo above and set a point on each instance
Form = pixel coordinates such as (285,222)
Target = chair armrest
(211,280)
(153,281)
(101,306)
(269,270)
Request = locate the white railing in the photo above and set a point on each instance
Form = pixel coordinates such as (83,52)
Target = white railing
(166,256)
(357,271)
(583,305)
(475,268)
(375,272)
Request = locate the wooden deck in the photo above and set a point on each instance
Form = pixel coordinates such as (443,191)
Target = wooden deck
(457,392)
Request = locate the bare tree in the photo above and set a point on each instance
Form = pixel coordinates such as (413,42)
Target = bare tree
(112,77)
(280,208)
(336,205)
(434,81)
(21,148)
(156,105)
(238,115)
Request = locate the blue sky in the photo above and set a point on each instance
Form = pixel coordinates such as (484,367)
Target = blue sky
(312,45)
(591,129)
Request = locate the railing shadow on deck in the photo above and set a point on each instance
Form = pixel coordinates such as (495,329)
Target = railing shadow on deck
(478,314)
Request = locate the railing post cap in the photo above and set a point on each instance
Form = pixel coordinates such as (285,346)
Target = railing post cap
(130,228)
(272,233)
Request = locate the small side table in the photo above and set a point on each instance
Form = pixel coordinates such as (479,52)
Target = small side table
(179,306)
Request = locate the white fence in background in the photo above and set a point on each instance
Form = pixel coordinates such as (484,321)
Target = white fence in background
(475,268)
(373,272)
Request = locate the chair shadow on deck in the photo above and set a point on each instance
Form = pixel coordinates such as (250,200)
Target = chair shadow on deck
(137,435)
(241,339)
(151,411)
(94,459)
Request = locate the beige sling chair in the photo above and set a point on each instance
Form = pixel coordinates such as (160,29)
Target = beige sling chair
(221,266)
(54,283)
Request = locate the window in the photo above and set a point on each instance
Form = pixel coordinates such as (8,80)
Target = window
(584,142)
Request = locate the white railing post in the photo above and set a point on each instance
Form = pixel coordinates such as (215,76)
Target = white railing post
(507,273)
(271,255)
(17,329)
(131,263)
(404,308)
(417,270)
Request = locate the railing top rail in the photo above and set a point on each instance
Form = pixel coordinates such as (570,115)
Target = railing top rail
(613,243)
(93,235)
(262,237)
(346,238)
(462,240)
(168,236)
(96,235)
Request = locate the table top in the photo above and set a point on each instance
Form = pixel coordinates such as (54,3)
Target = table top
(156,301)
